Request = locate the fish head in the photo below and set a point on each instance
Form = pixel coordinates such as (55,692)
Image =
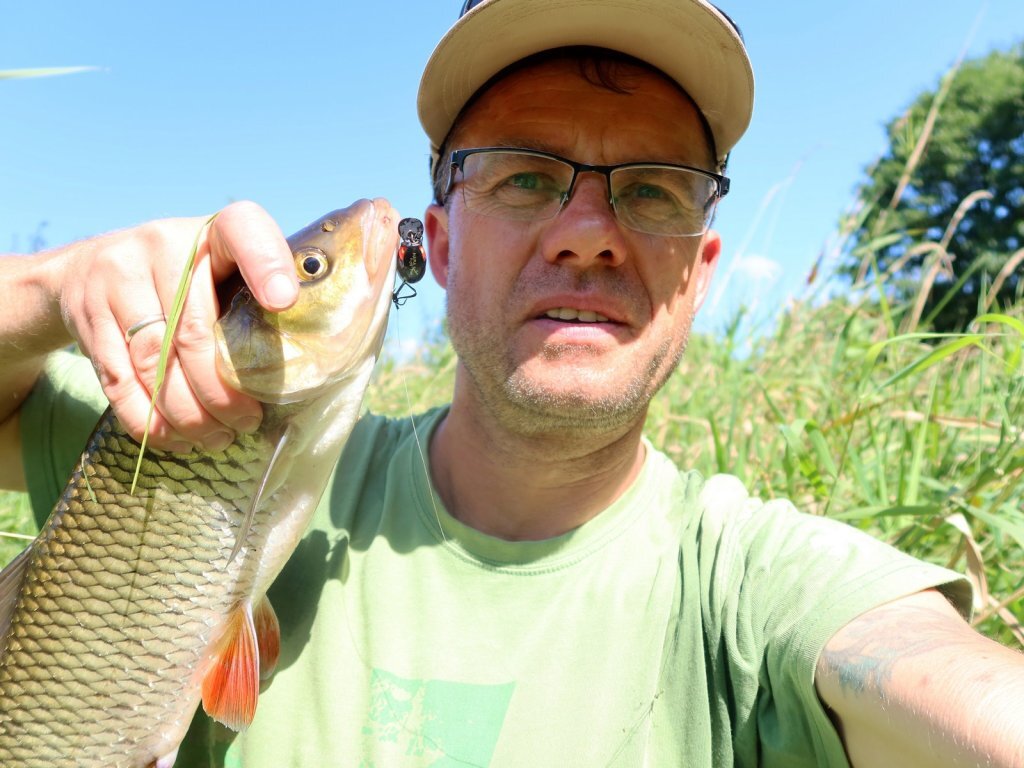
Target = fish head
(345,262)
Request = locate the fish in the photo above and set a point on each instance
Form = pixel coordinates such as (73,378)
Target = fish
(128,610)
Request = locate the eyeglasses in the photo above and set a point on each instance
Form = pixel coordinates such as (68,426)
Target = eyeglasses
(468,6)
(529,185)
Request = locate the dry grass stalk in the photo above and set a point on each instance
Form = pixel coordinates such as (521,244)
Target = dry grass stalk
(1011,264)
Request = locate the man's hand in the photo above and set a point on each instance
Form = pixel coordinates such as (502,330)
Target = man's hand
(111,283)
(93,291)
(911,684)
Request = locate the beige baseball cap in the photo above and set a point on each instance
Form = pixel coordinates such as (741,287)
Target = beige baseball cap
(691,41)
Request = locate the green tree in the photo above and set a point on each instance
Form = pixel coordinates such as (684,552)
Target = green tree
(942,211)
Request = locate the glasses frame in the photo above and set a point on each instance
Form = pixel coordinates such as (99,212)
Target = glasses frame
(458,160)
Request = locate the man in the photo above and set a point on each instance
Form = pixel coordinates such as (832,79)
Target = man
(554,592)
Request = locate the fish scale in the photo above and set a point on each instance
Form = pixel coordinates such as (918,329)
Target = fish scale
(132,605)
(124,611)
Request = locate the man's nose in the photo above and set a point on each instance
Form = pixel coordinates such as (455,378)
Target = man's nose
(585,230)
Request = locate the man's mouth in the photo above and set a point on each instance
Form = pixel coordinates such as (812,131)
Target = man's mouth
(575,315)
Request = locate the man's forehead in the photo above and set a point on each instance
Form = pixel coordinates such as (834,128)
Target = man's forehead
(535,103)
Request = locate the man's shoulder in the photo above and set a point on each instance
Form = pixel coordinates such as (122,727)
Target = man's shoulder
(724,520)
(773,545)
(726,504)
(714,503)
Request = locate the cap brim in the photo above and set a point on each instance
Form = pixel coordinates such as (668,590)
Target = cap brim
(688,40)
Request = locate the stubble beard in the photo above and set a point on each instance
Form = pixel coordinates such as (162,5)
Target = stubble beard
(528,407)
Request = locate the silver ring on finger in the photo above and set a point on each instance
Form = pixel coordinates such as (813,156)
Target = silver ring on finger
(134,329)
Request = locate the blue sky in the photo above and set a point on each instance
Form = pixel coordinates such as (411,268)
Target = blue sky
(305,106)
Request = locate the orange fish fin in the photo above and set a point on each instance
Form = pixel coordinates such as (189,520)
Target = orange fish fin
(232,683)
(268,636)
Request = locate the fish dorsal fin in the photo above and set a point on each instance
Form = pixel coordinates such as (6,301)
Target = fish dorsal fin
(232,683)
(10,587)
(250,514)
(268,636)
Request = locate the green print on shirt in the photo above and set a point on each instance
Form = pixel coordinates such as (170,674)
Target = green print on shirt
(434,723)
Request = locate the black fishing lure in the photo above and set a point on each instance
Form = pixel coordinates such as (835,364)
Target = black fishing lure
(412,259)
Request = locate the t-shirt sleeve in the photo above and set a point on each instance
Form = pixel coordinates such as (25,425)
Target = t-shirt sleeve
(781,584)
(56,420)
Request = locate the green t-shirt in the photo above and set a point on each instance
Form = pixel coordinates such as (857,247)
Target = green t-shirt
(680,627)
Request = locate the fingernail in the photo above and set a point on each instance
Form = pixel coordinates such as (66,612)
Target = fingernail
(279,291)
(218,441)
(248,424)
(181,447)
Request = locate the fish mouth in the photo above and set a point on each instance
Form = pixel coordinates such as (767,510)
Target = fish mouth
(383,239)
(380,259)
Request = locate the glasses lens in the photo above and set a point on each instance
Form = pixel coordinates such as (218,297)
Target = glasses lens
(662,200)
(514,185)
(468,5)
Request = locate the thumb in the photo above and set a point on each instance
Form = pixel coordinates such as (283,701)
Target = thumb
(245,237)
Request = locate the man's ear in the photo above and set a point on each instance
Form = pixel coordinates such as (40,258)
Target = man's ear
(435,221)
(710,250)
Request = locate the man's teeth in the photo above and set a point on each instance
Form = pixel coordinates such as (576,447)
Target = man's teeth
(583,316)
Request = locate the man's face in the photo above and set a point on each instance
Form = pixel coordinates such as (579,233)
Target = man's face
(572,323)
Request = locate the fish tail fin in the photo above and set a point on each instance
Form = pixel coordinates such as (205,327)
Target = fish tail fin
(232,683)
(268,637)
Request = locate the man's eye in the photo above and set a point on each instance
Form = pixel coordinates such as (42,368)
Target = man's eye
(525,181)
(649,192)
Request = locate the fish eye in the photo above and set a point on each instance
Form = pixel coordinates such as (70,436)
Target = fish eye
(310,264)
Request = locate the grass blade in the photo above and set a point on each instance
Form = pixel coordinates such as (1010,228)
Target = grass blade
(165,346)
(934,357)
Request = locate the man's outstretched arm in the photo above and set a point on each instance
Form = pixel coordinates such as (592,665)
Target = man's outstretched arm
(911,684)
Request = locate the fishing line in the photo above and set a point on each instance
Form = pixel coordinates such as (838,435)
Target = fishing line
(415,432)
(411,266)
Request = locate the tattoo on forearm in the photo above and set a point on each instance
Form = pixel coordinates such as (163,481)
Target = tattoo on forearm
(874,644)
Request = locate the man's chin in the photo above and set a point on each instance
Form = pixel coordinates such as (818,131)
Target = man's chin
(574,403)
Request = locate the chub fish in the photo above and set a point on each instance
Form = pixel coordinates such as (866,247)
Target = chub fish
(129,609)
